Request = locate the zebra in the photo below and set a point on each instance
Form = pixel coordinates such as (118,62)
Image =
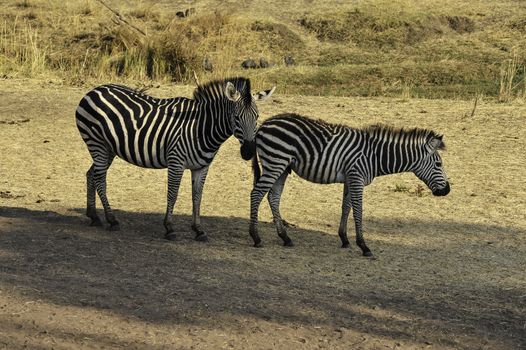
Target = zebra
(177,133)
(328,153)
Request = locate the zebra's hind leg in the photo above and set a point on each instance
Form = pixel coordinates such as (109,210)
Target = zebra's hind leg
(91,211)
(198,181)
(274,197)
(100,170)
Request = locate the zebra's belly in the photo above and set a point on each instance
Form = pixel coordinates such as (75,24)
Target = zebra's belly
(321,176)
(144,163)
(143,154)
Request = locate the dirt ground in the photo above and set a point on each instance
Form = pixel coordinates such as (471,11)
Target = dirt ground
(449,272)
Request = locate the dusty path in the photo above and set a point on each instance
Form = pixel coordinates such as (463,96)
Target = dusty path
(449,271)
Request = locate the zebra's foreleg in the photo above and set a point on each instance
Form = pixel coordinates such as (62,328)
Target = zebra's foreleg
(256,196)
(262,186)
(91,211)
(175,173)
(100,170)
(356,194)
(198,181)
(274,197)
(346,208)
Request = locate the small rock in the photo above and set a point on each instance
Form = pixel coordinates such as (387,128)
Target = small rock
(289,60)
(207,65)
(249,64)
(263,63)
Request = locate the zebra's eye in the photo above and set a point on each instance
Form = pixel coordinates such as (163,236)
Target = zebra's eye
(438,164)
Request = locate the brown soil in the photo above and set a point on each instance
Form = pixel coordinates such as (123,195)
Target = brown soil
(448,273)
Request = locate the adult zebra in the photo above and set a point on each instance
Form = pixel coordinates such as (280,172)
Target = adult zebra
(327,153)
(177,133)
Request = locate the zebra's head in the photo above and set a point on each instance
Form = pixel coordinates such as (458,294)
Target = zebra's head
(430,168)
(244,113)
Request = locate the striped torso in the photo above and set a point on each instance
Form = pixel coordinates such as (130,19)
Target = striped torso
(144,130)
(316,151)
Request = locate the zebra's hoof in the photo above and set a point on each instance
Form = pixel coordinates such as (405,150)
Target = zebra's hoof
(201,237)
(288,243)
(114,226)
(95,222)
(368,254)
(171,236)
(258,244)
(345,245)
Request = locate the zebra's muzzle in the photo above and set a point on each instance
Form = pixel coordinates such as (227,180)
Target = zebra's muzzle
(442,191)
(248,149)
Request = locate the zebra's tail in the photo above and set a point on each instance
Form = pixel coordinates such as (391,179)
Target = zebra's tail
(255,168)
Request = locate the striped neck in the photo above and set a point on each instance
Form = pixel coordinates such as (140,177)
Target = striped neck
(212,125)
(397,150)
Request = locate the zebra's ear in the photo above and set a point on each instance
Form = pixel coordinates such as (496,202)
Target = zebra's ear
(231,92)
(263,95)
(437,143)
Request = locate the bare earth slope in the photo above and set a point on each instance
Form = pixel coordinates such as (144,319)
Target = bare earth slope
(449,271)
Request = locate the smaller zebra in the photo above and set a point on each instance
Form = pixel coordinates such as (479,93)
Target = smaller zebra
(329,153)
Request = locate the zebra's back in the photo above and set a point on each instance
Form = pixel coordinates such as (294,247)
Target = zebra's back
(135,126)
(317,151)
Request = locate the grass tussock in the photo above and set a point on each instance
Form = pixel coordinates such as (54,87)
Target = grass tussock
(512,79)
(370,48)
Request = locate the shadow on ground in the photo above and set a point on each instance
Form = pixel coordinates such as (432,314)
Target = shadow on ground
(403,295)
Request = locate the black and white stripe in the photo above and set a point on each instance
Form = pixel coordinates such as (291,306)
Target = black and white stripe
(328,153)
(177,133)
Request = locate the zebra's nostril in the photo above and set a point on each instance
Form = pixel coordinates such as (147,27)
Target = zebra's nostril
(442,191)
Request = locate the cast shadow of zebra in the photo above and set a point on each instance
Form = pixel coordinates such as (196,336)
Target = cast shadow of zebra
(136,273)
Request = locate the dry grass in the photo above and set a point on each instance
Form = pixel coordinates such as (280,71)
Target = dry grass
(449,273)
(512,79)
(369,48)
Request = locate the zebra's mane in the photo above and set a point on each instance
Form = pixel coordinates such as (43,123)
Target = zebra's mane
(216,89)
(416,134)
(320,122)
(375,130)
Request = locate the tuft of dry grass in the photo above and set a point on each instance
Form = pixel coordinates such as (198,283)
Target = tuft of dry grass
(512,79)
(22,49)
